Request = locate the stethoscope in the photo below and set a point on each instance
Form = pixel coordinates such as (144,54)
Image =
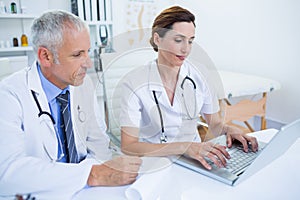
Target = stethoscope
(41,112)
(163,138)
(81,117)
(81,114)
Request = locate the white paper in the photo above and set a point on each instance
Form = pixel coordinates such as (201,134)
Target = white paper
(154,176)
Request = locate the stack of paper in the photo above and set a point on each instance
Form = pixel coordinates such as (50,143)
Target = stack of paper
(154,174)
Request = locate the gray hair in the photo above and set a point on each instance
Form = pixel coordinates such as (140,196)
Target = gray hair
(48,30)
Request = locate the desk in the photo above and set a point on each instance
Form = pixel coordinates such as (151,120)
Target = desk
(279,180)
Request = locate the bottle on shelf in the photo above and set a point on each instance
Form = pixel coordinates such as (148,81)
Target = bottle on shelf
(24,41)
(15,42)
(13,8)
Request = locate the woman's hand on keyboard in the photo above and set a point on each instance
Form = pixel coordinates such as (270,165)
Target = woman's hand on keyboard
(214,152)
(233,133)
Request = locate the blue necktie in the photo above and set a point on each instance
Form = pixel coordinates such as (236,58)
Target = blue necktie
(66,124)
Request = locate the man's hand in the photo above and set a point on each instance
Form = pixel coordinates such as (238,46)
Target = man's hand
(121,170)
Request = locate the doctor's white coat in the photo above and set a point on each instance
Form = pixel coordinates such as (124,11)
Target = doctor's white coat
(28,143)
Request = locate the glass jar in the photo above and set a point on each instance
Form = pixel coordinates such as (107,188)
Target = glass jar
(15,42)
(24,41)
(13,8)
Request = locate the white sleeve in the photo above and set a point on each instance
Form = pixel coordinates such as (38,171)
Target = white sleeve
(130,114)
(210,103)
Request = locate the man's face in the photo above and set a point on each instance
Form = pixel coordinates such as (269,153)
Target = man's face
(73,60)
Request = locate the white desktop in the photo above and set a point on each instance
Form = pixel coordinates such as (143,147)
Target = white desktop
(278,180)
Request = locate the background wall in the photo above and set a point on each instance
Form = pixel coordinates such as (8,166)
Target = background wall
(259,37)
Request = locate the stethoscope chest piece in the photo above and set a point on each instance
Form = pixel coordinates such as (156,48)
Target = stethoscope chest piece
(81,114)
(163,138)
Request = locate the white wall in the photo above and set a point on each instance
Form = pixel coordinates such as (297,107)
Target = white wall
(259,37)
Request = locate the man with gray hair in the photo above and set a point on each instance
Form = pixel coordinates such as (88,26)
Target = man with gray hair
(53,141)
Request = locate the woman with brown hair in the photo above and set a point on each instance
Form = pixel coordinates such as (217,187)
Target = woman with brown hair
(162,100)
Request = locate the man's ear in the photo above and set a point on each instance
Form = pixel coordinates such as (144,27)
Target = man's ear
(45,57)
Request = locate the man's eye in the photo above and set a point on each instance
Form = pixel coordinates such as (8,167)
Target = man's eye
(76,55)
(178,40)
(191,41)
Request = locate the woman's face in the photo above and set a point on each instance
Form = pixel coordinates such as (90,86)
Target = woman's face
(176,45)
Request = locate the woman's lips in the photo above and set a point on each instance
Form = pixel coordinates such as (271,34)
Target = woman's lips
(181,57)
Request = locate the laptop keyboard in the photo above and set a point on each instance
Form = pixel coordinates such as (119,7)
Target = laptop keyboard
(239,159)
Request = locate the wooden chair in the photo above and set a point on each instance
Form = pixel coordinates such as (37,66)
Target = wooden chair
(238,115)
(245,110)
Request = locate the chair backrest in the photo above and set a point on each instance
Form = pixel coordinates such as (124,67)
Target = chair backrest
(239,114)
(5,68)
(115,68)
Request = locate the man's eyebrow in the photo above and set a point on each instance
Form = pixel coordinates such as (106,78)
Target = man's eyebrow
(78,51)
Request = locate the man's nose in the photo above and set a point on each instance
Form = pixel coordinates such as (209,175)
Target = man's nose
(87,63)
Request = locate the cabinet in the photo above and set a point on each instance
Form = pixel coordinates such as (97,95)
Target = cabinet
(16,25)
(13,26)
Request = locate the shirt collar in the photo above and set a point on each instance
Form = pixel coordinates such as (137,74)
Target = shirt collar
(49,88)
(155,82)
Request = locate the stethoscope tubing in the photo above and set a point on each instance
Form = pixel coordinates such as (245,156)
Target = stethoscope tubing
(41,112)
(163,137)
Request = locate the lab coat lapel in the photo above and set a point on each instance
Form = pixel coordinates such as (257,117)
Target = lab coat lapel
(34,83)
(75,107)
(49,135)
(155,83)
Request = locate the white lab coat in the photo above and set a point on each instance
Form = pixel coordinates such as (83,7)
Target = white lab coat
(138,107)
(29,146)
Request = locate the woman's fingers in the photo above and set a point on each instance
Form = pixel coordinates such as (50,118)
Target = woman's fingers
(204,162)
(216,153)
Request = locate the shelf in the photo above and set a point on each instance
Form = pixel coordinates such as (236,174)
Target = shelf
(93,23)
(17,16)
(16,49)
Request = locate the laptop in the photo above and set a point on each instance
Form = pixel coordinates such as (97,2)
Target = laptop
(279,144)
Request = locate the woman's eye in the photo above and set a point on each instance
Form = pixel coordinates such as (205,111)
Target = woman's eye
(178,40)
(191,41)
